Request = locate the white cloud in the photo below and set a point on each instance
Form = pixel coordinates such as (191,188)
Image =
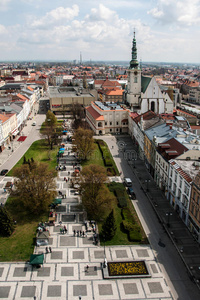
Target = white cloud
(56,16)
(4,4)
(3,29)
(184,12)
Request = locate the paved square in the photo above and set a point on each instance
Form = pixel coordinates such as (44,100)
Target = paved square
(56,255)
(54,291)
(67,241)
(61,208)
(79,290)
(28,291)
(105,290)
(155,287)
(142,253)
(67,272)
(4,291)
(20,272)
(99,254)
(78,255)
(7,290)
(121,254)
(67,218)
(130,288)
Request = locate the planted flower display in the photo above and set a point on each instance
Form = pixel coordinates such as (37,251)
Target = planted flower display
(135,268)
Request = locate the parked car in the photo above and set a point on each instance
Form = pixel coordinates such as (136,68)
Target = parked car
(127,181)
(4,172)
(34,124)
(131,193)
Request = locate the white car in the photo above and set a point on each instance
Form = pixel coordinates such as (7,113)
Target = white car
(34,124)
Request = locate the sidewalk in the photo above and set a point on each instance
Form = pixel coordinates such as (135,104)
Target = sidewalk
(7,153)
(73,269)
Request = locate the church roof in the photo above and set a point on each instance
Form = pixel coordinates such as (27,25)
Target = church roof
(144,83)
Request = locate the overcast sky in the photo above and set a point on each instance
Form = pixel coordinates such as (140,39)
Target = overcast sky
(166,30)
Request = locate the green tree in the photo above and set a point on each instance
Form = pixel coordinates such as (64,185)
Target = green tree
(109,227)
(6,222)
(35,187)
(50,130)
(96,198)
(83,139)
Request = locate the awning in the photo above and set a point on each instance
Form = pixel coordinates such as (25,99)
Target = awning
(65,131)
(62,149)
(15,132)
(36,259)
(57,201)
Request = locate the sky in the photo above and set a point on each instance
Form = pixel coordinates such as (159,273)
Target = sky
(166,30)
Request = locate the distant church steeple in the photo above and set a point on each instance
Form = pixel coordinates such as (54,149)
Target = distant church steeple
(134,63)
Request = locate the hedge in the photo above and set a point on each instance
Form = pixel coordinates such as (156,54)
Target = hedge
(129,225)
(121,198)
(105,153)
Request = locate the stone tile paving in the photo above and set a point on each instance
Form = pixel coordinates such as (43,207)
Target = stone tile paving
(65,275)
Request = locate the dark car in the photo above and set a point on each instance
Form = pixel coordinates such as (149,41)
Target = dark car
(131,193)
(4,172)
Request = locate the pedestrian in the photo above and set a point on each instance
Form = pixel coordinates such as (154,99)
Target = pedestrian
(47,251)
(74,217)
(50,250)
(64,178)
(83,233)
(87,268)
(68,172)
(60,222)
(77,232)
(4,190)
(60,230)
(80,233)
(65,229)
(74,232)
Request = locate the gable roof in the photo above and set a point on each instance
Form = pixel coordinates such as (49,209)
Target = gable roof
(144,83)
(94,113)
(171,149)
(146,116)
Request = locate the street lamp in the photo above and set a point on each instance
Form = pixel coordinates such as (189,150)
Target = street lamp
(168,214)
(134,159)
(147,182)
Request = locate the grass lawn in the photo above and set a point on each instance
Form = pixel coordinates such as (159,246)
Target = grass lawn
(19,246)
(95,158)
(121,237)
(40,152)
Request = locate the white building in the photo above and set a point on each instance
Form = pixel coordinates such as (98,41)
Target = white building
(143,93)
(107,118)
(181,174)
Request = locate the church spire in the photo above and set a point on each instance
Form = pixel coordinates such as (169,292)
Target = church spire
(134,63)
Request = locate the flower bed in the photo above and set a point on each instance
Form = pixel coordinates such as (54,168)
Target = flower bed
(135,268)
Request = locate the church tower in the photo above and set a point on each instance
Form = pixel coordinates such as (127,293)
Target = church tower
(134,78)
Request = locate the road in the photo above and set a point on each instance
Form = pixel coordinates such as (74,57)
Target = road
(9,159)
(167,256)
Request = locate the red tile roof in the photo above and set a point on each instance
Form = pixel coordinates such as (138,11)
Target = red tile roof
(180,171)
(94,113)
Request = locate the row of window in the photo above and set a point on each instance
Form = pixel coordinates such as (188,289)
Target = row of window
(117,123)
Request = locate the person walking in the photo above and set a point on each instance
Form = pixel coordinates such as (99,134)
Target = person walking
(50,250)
